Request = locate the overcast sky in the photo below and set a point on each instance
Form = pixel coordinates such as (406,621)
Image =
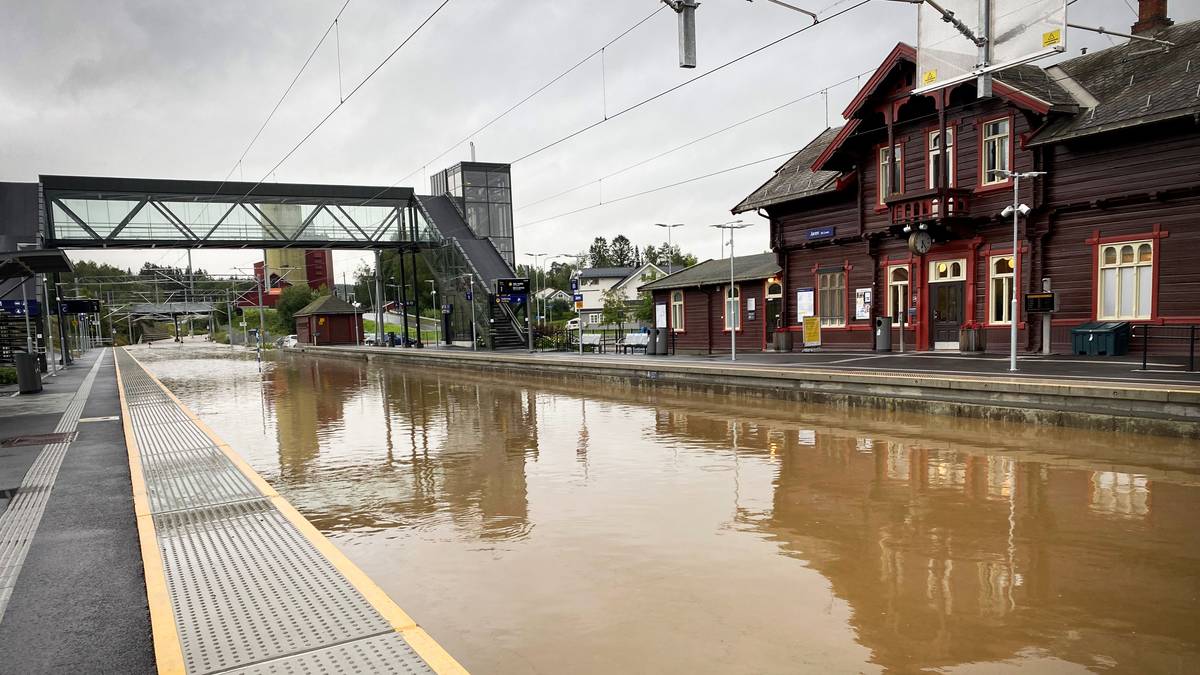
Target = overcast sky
(174,89)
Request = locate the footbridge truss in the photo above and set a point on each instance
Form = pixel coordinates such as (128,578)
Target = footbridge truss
(105,212)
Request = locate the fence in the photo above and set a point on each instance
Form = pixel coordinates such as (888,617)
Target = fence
(1167,341)
(560,339)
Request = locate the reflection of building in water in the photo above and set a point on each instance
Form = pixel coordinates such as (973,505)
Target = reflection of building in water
(306,399)
(468,446)
(950,555)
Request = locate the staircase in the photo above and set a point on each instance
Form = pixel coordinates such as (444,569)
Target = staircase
(505,334)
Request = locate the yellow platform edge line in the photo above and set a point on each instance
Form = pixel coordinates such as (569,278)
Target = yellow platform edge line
(422,643)
(168,652)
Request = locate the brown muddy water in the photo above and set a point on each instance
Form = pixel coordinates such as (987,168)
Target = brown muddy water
(537,527)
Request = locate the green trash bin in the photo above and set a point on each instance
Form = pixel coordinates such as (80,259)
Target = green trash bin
(1101,338)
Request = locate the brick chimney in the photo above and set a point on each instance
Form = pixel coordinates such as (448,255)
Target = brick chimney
(1152,17)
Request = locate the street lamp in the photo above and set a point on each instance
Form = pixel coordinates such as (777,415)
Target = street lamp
(670,248)
(737,316)
(536,268)
(437,323)
(356,304)
(1016,210)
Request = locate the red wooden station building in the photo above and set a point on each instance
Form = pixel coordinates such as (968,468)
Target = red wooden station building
(901,206)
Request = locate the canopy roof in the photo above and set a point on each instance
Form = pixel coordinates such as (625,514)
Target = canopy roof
(328,304)
(716,271)
(16,264)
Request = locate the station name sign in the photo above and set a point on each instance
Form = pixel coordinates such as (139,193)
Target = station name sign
(821,233)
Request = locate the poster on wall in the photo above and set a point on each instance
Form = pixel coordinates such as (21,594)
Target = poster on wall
(862,303)
(805,304)
(660,315)
(812,332)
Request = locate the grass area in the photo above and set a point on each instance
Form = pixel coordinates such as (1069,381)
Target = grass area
(8,375)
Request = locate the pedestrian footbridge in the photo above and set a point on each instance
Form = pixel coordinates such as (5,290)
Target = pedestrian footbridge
(237,580)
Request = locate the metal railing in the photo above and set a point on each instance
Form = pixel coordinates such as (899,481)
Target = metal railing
(1183,337)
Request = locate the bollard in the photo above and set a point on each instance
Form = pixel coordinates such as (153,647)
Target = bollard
(1145,344)
(1192,348)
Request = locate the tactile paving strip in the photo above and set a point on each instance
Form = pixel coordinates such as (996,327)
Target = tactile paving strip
(250,593)
(382,654)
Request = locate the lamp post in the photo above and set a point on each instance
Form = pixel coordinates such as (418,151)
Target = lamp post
(536,269)
(737,317)
(356,304)
(437,323)
(1016,211)
(670,247)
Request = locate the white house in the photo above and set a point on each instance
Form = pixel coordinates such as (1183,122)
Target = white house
(553,295)
(594,281)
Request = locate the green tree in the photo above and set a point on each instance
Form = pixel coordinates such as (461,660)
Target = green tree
(621,252)
(292,300)
(645,306)
(615,310)
(599,254)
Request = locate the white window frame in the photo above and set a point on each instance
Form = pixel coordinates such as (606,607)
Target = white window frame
(593,318)
(677,315)
(1008,282)
(825,289)
(1120,282)
(733,300)
(894,311)
(884,181)
(998,139)
(950,275)
(934,152)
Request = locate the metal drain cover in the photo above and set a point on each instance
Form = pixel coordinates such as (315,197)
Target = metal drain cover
(37,439)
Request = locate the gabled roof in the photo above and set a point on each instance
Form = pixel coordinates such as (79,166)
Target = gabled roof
(795,179)
(637,273)
(1132,83)
(605,272)
(716,271)
(328,304)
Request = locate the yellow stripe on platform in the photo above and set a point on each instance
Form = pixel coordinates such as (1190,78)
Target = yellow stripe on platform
(168,652)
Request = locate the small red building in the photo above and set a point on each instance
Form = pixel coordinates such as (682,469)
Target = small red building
(701,310)
(329,320)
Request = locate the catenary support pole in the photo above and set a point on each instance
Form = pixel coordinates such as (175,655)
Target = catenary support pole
(378,297)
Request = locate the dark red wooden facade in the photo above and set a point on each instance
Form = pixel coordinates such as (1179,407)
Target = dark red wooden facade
(1136,184)
(329,329)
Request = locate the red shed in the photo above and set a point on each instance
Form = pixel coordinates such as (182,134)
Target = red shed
(329,320)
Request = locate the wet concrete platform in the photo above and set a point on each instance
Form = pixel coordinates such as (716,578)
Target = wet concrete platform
(76,596)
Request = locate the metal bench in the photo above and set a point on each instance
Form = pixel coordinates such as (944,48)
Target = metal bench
(593,341)
(634,341)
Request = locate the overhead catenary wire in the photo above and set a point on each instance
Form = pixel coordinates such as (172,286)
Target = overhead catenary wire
(746,120)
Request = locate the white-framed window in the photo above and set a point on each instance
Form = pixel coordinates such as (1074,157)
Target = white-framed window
(733,308)
(948,270)
(677,310)
(1126,280)
(594,318)
(1001,283)
(898,277)
(885,176)
(935,158)
(997,144)
(831,298)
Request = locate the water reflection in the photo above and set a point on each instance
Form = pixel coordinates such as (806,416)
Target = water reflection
(667,533)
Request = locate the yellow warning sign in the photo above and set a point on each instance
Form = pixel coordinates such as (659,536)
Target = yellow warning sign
(1052,38)
(812,331)
(929,77)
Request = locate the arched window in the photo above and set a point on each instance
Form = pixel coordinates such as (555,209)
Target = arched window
(774,290)
(1001,271)
(677,310)
(1126,281)
(897,291)
(733,308)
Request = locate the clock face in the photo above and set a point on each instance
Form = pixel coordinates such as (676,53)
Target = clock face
(920,242)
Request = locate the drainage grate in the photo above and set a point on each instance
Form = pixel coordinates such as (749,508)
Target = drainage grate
(37,439)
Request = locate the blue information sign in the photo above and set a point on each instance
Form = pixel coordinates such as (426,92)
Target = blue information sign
(574,284)
(18,307)
(579,297)
(822,232)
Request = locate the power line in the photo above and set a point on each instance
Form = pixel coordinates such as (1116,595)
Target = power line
(660,188)
(697,140)
(532,94)
(688,81)
(353,91)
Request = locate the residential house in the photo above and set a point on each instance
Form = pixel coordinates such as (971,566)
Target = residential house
(594,282)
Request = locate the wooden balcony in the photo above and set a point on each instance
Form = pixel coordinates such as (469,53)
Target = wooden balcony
(929,206)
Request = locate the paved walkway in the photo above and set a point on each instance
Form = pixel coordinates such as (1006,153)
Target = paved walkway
(69,559)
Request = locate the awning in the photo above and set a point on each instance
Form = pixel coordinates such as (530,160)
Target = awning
(17,264)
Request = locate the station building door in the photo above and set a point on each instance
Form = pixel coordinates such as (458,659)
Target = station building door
(947,301)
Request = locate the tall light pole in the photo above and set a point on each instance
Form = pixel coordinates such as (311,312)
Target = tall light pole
(1016,211)
(536,267)
(670,247)
(737,317)
(437,322)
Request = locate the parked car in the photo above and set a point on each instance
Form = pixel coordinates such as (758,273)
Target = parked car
(369,340)
(290,341)
(573,324)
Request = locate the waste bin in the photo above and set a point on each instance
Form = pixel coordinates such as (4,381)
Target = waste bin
(1100,338)
(783,340)
(29,380)
(883,333)
(652,342)
(664,342)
